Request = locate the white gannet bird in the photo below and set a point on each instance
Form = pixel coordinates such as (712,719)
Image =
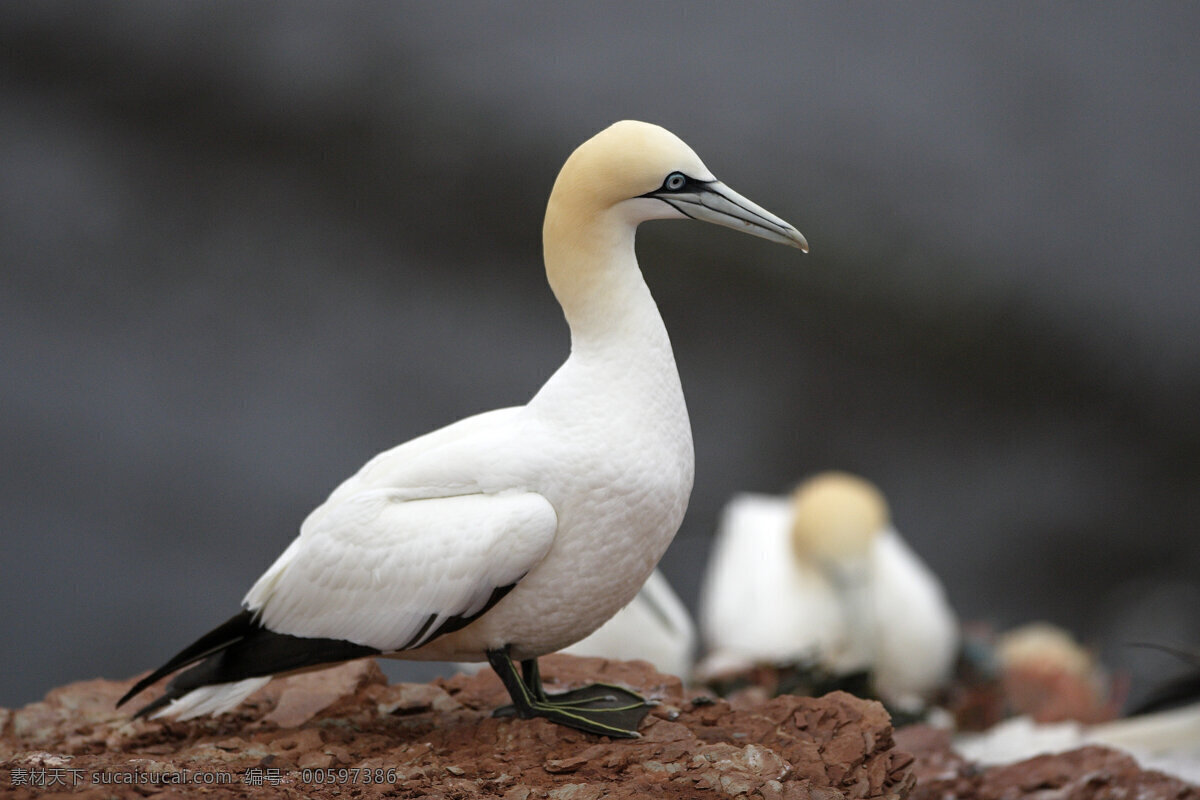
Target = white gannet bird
(516,532)
(822,577)
(654,627)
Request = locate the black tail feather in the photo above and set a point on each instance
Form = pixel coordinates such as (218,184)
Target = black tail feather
(232,630)
(153,706)
(241,648)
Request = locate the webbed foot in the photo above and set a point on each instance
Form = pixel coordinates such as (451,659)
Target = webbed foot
(602,709)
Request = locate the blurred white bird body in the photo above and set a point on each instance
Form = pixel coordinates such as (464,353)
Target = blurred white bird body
(654,627)
(836,588)
(916,633)
(513,533)
(758,601)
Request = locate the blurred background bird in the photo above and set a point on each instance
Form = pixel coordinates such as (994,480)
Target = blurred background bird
(821,578)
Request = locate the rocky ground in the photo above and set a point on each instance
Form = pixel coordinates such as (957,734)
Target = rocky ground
(346,733)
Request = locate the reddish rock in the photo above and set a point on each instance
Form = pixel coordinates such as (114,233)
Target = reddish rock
(301,697)
(352,736)
(345,732)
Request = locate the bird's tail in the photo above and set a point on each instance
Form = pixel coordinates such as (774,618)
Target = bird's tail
(232,661)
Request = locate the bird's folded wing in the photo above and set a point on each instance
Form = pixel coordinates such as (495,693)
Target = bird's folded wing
(392,573)
(750,545)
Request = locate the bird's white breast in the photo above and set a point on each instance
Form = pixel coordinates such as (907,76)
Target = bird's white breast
(608,443)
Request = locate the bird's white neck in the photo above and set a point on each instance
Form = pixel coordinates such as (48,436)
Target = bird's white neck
(620,350)
(593,271)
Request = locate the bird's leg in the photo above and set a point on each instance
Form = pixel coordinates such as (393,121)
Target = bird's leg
(532,675)
(596,692)
(600,708)
(518,690)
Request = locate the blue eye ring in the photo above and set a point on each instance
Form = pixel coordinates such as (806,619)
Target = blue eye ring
(675,181)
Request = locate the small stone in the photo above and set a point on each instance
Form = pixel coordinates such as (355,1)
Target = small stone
(231,745)
(771,790)
(299,741)
(315,759)
(558,766)
(415,698)
(577,791)
(665,731)
(304,696)
(670,768)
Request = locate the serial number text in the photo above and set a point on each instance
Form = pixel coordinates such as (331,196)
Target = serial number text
(349,775)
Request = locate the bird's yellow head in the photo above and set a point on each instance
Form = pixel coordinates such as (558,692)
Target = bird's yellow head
(627,160)
(836,516)
(642,172)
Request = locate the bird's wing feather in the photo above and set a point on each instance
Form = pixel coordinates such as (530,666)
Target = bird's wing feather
(444,461)
(758,598)
(916,631)
(392,573)
(750,541)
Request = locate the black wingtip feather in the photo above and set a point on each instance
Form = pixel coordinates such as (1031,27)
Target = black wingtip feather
(232,630)
(241,648)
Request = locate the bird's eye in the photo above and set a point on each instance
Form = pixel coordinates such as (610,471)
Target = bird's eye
(675,181)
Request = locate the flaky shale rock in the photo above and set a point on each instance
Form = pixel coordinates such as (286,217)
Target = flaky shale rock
(345,732)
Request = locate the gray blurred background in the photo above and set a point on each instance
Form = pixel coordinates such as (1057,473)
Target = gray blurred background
(243,247)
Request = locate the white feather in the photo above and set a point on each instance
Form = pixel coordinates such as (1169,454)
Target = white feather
(438,557)
(215,699)
(915,631)
(654,627)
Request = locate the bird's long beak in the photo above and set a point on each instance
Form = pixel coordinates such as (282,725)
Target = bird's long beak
(713,201)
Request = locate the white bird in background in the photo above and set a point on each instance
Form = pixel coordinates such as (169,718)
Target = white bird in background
(1046,673)
(654,627)
(823,578)
(516,532)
